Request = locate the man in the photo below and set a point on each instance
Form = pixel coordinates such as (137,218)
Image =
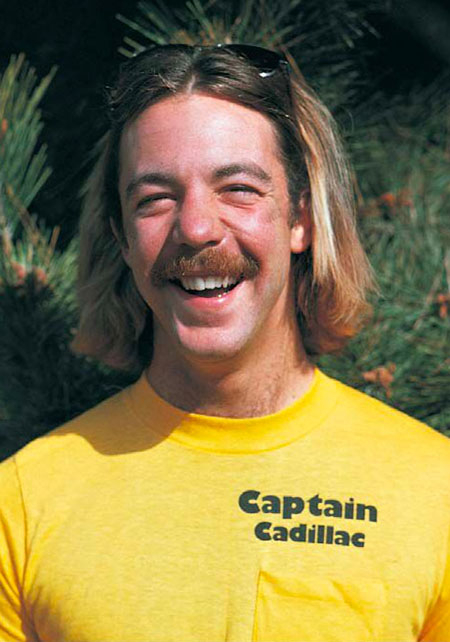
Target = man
(234,492)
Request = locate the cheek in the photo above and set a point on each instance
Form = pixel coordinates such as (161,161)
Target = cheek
(259,226)
(138,258)
(267,236)
(145,241)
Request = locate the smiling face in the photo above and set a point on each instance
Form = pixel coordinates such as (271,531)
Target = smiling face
(205,213)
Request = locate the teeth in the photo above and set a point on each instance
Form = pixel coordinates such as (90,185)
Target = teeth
(199,283)
(208,283)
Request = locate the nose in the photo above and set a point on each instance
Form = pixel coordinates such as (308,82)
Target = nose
(198,222)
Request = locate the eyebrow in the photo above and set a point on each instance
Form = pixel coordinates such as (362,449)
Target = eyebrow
(161,178)
(251,169)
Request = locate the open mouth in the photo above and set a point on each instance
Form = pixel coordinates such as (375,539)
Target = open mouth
(207,287)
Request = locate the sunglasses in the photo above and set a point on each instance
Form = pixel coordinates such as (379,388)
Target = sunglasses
(266,61)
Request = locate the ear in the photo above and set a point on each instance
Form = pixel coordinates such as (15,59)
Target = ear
(301,228)
(121,241)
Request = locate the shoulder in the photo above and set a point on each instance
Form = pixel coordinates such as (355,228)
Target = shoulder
(67,463)
(96,424)
(103,430)
(378,423)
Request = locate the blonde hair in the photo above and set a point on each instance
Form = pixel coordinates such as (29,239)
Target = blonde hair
(332,277)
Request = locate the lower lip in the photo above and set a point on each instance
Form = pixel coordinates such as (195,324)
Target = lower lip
(206,302)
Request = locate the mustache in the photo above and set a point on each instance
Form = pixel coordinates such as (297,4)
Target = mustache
(210,261)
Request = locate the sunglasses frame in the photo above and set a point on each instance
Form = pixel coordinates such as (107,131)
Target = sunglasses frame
(267,61)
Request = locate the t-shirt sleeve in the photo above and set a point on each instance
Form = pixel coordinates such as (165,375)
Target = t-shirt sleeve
(437,625)
(15,625)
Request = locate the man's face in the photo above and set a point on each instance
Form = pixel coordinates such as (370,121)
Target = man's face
(205,212)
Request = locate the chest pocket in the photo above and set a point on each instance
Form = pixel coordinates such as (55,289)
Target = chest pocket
(318,609)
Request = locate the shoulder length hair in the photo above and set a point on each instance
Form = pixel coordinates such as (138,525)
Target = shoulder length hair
(332,277)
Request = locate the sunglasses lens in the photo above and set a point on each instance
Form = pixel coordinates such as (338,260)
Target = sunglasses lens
(266,60)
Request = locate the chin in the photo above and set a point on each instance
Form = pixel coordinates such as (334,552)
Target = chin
(215,347)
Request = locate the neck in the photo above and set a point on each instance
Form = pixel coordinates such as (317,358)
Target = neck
(249,385)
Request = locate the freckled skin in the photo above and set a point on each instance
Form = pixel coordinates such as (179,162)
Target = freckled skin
(186,140)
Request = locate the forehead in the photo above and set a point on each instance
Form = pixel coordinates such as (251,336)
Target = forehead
(197,131)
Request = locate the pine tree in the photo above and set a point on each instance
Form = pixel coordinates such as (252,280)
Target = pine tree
(42,384)
(404,198)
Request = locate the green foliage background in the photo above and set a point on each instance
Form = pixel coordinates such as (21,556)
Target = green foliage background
(400,150)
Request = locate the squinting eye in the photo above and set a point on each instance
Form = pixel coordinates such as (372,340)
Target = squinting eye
(241,193)
(154,200)
(242,188)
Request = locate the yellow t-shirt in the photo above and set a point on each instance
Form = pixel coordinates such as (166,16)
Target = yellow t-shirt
(327,521)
